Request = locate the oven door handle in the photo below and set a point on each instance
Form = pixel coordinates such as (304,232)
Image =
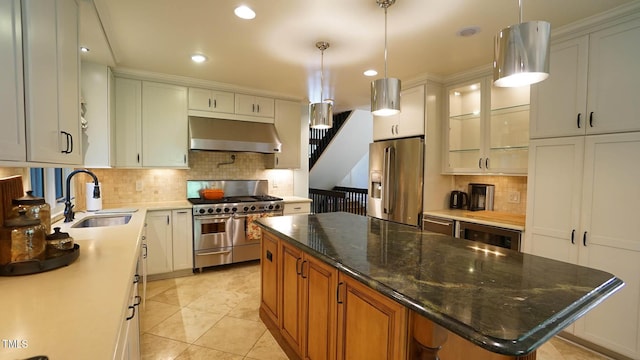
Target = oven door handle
(214,253)
(212,217)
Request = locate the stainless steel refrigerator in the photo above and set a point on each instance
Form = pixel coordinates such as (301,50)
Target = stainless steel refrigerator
(395,180)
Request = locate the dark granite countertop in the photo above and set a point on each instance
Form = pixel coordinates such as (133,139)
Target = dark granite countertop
(504,301)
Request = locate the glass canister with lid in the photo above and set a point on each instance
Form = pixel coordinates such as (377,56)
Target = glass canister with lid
(22,238)
(36,208)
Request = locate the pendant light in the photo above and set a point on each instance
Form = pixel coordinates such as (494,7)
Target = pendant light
(321,113)
(521,53)
(385,93)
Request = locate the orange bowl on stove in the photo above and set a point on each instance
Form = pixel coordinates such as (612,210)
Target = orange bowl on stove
(212,194)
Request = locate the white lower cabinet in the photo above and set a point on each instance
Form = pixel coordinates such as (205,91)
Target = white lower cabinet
(581,208)
(128,345)
(169,241)
(296,208)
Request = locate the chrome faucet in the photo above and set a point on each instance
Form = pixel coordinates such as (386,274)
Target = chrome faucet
(68,207)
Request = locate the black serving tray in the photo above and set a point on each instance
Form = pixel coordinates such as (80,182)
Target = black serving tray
(63,258)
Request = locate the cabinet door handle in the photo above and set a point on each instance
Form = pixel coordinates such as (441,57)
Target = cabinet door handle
(298,262)
(133,312)
(486,163)
(138,159)
(302,269)
(338,293)
(591,119)
(146,251)
(392,131)
(215,103)
(138,300)
(168,220)
(573,234)
(69,148)
(184,160)
(480,163)
(258,106)
(209,102)
(136,278)
(253,107)
(578,120)
(584,239)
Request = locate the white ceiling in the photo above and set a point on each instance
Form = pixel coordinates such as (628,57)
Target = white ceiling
(276,51)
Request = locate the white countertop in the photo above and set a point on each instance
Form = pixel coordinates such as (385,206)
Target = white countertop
(75,312)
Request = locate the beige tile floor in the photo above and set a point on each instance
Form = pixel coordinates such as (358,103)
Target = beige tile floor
(214,315)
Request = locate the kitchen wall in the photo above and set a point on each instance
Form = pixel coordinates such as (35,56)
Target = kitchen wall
(11,171)
(118,186)
(504,186)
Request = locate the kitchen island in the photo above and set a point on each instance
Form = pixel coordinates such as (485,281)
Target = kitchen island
(445,289)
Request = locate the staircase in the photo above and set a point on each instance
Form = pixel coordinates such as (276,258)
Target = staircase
(319,139)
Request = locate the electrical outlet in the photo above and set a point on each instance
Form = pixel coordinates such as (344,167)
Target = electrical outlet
(514,197)
(138,185)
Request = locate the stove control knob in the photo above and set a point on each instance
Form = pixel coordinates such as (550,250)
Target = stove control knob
(277,207)
(226,209)
(218,210)
(201,211)
(253,208)
(270,207)
(234,209)
(210,210)
(246,208)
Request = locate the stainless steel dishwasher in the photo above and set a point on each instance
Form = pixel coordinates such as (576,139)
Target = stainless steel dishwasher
(439,225)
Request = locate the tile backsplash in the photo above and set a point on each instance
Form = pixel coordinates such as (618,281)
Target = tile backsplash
(118,186)
(504,185)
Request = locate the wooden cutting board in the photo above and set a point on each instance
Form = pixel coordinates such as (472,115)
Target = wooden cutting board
(515,219)
(10,188)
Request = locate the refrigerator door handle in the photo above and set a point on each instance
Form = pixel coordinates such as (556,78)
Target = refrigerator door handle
(388,196)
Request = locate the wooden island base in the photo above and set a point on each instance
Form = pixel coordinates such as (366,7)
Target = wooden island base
(428,341)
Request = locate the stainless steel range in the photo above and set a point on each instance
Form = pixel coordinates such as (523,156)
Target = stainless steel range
(223,229)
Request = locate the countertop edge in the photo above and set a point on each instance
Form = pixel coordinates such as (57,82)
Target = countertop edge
(528,344)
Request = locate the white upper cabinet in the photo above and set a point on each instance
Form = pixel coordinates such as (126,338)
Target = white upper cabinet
(52,84)
(151,124)
(410,120)
(12,136)
(164,125)
(98,92)
(254,106)
(592,87)
(128,122)
(211,100)
(488,129)
(288,125)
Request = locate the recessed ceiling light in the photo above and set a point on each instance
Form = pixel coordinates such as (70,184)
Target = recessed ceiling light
(198,58)
(244,12)
(370,72)
(468,31)
(84,49)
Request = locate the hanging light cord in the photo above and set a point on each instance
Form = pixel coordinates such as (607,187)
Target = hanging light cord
(520,7)
(322,74)
(385,41)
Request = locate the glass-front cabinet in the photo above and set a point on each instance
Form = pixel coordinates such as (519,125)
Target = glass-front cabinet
(488,129)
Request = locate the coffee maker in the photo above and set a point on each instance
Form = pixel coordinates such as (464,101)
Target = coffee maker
(481,196)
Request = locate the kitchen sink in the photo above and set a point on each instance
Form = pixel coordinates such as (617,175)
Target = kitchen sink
(98,221)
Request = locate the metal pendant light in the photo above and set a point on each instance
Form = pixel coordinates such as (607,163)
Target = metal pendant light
(521,53)
(385,93)
(321,113)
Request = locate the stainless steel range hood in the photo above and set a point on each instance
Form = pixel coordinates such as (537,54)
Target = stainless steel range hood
(232,135)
